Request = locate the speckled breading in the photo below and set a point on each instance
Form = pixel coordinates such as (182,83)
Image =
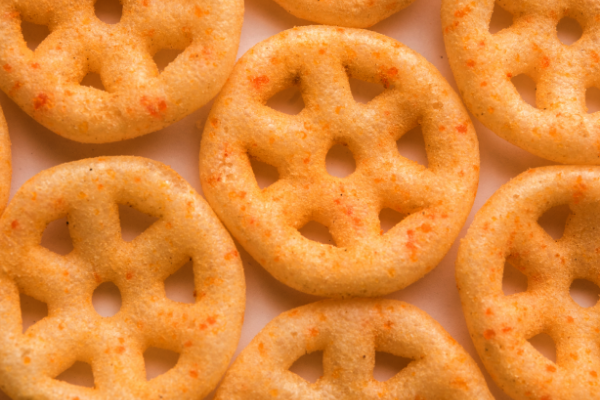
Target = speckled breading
(506,228)
(138,99)
(87,193)
(349,333)
(559,129)
(436,199)
(5,163)
(350,13)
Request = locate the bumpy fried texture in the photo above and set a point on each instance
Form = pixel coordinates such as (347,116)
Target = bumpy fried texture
(87,193)
(138,99)
(349,333)
(350,13)
(5,163)
(319,60)
(506,229)
(559,129)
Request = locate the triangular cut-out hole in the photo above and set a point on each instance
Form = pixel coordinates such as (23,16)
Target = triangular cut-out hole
(180,286)
(34,34)
(317,232)
(56,237)
(569,31)
(265,174)
(388,365)
(340,161)
(389,218)
(526,88)
(133,222)
(107,299)
(412,146)
(364,92)
(93,80)
(545,345)
(288,101)
(32,310)
(501,19)
(309,367)
(592,99)
(109,11)
(164,57)
(159,361)
(79,374)
(513,280)
(554,220)
(584,293)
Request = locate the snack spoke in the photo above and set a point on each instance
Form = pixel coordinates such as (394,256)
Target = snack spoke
(326,87)
(562,92)
(526,314)
(580,354)
(124,354)
(581,238)
(349,355)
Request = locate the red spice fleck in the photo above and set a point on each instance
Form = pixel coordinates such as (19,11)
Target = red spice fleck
(442,128)
(545,62)
(509,75)
(14,224)
(156,108)
(426,227)
(321,51)
(489,312)
(313,332)
(35,66)
(129,275)
(211,320)
(120,350)
(570,319)
(550,368)
(201,13)
(215,122)
(27,360)
(507,329)
(231,255)
(463,12)
(483,84)
(594,374)
(488,334)
(471,63)
(259,81)
(7,67)
(188,344)
(193,373)
(595,56)
(388,325)
(40,101)
(203,326)
(462,128)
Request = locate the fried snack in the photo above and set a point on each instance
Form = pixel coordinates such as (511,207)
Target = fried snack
(319,61)
(506,228)
(350,13)
(559,129)
(5,163)
(138,99)
(349,333)
(87,193)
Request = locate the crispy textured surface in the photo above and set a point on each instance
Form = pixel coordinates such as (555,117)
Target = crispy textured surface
(559,129)
(350,13)
(87,193)
(436,199)
(5,163)
(138,99)
(506,228)
(349,333)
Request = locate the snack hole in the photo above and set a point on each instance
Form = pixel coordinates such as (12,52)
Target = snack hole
(133,222)
(501,19)
(554,220)
(56,237)
(265,174)
(32,310)
(340,161)
(288,101)
(79,374)
(513,280)
(93,80)
(569,31)
(545,345)
(159,361)
(164,57)
(180,285)
(584,293)
(412,146)
(389,218)
(388,365)
(592,99)
(526,88)
(109,11)
(107,299)
(317,233)
(34,34)
(309,367)
(364,92)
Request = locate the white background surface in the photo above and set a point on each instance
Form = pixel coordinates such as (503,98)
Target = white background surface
(419,27)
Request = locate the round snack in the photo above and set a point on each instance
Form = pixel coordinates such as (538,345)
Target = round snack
(138,98)
(88,193)
(5,163)
(350,13)
(319,60)
(559,129)
(349,333)
(506,228)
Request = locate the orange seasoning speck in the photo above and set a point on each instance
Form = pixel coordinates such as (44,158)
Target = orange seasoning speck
(193,373)
(545,62)
(259,81)
(471,63)
(462,128)
(40,101)
(489,333)
(550,368)
(7,67)
(14,224)
(27,360)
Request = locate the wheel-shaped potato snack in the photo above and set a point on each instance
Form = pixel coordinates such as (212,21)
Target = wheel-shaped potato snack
(138,98)
(350,13)
(506,228)
(560,128)
(436,199)
(349,332)
(88,192)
